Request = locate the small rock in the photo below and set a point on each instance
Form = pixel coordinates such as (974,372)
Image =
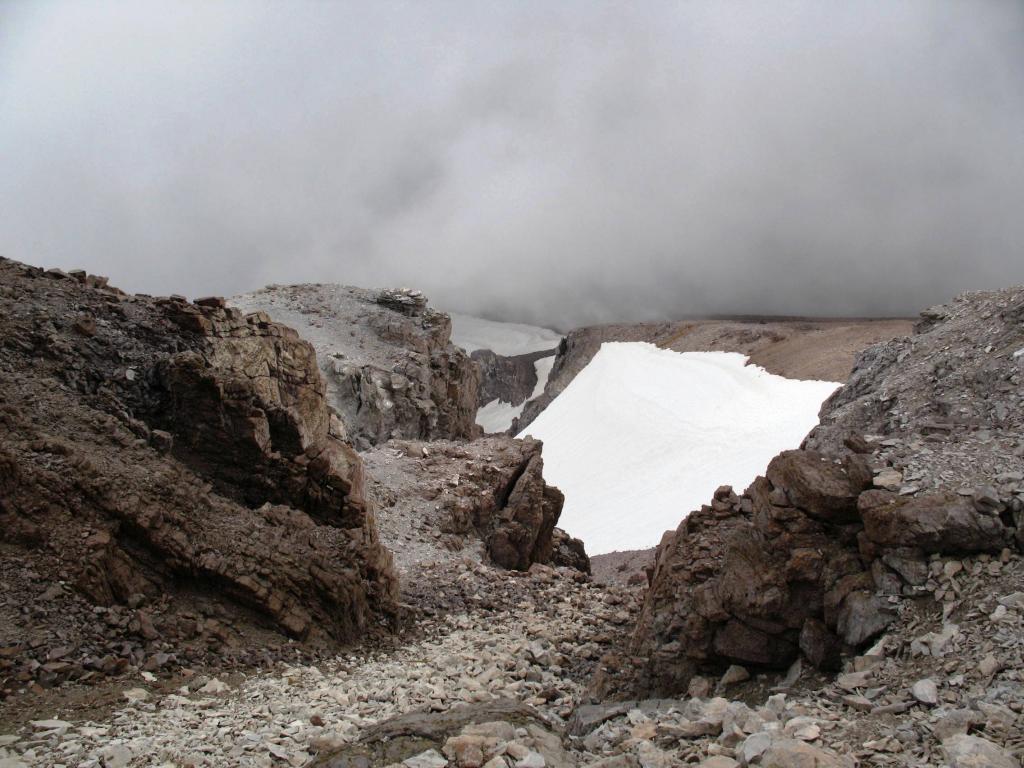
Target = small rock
(719,761)
(651,756)
(860,703)
(889,479)
(210,301)
(925,691)
(1014,601)
(963,751)
(429,759)
(753,747)
(115,756)
(50,725)
(215,686)
(734,674)
(803,728)
(790,753)
(954,722)
(532,760)
(699,688)
(616,761)
(989,665)
(853,680)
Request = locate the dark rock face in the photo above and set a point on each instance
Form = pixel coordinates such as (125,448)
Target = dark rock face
(387,359)
(181,448)
(807,558)
(510,379)
(521,529)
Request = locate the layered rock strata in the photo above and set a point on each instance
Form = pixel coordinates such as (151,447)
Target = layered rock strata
(153,448)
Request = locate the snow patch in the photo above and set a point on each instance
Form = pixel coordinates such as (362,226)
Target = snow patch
(473,333)
(643,435)
(497,415)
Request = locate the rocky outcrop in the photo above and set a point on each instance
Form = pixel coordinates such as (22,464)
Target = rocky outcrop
(387,358)
(815,555)
(518,529)
(740,578)
(486,498)
(158,448)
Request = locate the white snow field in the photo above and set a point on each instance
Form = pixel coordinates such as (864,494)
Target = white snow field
(473,333)
(643,436)
(497,415)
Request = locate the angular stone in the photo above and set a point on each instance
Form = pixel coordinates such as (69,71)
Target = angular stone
(821,647)
(791,753)
(431,758)
(818,485)
(935,522)
(734,674)
(926,692)
(963,751)
(954,722)
(862,617)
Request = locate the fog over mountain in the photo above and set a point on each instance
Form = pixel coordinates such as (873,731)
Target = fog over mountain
(557,163)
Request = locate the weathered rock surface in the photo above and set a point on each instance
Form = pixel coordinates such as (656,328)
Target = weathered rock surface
(173,449)
(739,579)
(487,498)
(390,367)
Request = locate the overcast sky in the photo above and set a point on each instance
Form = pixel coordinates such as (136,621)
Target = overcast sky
(547,161)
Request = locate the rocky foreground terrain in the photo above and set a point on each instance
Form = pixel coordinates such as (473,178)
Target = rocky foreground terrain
(274,597)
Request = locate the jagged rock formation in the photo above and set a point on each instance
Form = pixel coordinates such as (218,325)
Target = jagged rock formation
(390,367)
(486,498)
(153,448)
(510,379)
(919,455)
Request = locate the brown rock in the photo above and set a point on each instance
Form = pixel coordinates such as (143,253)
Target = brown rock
(85,325)
(210,301)
(818,485)
(821,647)
(237,409)
(937,522)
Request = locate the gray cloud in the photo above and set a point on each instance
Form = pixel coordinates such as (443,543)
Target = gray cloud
(560,163)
